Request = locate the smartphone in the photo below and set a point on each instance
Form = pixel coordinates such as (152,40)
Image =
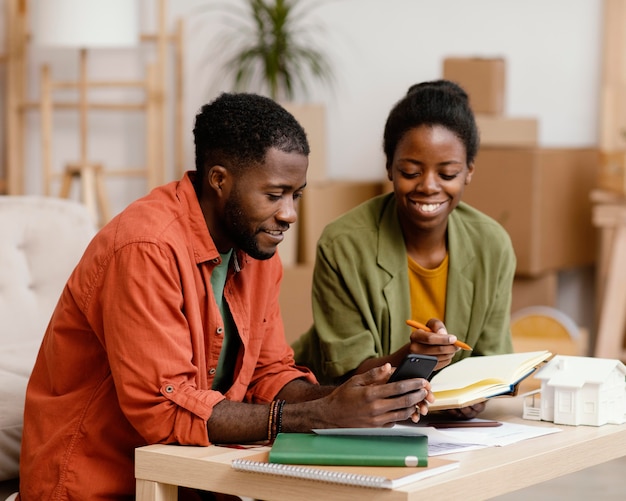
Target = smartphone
(414,365)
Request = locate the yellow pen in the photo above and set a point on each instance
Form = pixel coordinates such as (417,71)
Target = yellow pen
(418,325)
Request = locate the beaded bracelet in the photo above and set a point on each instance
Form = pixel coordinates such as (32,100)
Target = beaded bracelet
(275,419)
(279,417)
(270,420)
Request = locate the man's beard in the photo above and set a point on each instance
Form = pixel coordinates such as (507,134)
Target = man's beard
(236,225)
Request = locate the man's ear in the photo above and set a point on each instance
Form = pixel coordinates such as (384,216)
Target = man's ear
(217,178)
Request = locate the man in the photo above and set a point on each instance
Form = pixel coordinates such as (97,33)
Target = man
(169,328)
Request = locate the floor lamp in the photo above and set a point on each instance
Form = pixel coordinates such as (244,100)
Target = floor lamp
(83,25)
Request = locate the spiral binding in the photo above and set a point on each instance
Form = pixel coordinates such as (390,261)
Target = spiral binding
(288,470)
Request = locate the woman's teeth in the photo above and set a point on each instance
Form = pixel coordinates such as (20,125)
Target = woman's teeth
(430,207)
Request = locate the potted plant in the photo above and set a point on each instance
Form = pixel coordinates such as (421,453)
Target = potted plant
(267,47)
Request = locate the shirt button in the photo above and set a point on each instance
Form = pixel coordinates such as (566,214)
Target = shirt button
(220,330)
(212,371)
(169,389)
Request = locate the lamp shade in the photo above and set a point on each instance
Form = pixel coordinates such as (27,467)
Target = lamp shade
(85,23)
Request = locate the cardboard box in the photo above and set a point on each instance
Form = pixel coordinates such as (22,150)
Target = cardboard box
(312,117)
(295,300)
(484,80)
(323,202)
(535,291)
(288,248)
(612,174)
(542,198)
(386,186)
(507,132)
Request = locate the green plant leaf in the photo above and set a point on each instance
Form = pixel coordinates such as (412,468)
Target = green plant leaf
(268,46)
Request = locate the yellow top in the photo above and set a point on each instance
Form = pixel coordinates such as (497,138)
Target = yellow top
(428,290)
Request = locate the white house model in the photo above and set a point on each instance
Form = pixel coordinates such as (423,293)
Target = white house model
(580,391)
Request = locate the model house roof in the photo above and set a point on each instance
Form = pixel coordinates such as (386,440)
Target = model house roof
(575,372)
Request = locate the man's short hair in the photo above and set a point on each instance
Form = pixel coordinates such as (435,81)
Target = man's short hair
(236,130)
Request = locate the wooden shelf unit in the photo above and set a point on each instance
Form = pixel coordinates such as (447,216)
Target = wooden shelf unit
(156,98)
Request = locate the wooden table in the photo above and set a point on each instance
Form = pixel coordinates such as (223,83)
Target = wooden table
(482,474)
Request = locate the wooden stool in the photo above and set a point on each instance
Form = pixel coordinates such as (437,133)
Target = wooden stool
(609,215)
(93,192)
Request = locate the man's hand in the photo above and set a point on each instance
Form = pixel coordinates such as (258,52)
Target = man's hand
(366,401)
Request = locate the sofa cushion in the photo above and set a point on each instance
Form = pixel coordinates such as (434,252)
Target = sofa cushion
(41,240)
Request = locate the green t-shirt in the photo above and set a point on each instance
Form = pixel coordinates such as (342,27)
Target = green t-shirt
(228,355)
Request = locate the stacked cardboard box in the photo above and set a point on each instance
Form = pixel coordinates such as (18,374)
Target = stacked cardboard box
(541,197)
(325,201)
(529,291)
(484,80)
(313,118)
(499,131)
(295,300)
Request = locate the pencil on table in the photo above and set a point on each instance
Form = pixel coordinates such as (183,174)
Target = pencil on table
(418,325)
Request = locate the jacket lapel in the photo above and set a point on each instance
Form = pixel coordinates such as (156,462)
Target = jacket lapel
(392,258)
(460,290)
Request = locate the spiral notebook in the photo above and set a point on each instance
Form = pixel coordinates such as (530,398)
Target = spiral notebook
(382,477)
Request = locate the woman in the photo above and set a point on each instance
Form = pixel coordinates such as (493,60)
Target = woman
(417,253)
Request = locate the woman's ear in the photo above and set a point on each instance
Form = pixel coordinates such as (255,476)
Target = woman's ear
(470,173)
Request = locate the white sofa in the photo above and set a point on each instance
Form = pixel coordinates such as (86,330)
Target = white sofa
(41,240)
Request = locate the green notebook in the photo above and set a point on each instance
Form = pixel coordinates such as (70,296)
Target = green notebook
(349,450)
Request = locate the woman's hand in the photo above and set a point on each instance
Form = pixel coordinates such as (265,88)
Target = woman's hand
(468,412)
(436,341)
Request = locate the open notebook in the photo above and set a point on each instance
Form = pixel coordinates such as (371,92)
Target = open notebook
(476,379)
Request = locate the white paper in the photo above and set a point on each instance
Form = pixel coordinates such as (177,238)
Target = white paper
(450,440)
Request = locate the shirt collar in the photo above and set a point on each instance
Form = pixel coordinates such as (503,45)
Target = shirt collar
(203,245)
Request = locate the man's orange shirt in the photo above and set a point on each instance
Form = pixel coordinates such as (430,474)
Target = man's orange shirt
(131,349)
